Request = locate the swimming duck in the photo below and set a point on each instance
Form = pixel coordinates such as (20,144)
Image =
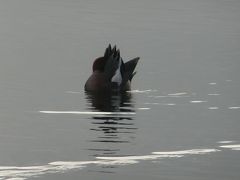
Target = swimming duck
(109,72)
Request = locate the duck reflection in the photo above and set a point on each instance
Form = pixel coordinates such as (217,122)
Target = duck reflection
(115,129)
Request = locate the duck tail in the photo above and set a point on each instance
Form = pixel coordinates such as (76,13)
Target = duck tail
(130,67)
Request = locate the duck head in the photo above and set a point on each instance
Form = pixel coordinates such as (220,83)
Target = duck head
(110,72)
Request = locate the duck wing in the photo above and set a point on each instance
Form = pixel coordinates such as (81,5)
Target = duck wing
(129,68)
(113,63)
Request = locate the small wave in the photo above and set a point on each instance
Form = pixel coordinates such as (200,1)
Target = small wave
(158,96)
(178,94)
(213,94)
(88,112)
(169,104)
(144,108)
(149,103)
(191,151)
(15,172)
(213,108)
(212,83)
(225,142)
(234,107)
(197,101)
(232,147)
(74,92)
(143,91)
(136,159)
(163,104)
(174,95)
(158,155)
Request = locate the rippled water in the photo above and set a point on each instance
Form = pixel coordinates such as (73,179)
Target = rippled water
(179,121)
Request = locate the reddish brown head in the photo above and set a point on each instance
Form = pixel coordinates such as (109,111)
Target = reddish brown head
(99,64)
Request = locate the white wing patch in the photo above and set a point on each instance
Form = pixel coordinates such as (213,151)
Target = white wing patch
(117,78)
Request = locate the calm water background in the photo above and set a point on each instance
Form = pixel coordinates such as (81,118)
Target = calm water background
(185,95)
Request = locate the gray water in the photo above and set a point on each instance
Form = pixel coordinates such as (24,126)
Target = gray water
(180,121)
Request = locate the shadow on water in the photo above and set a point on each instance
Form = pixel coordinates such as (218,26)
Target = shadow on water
(113,131)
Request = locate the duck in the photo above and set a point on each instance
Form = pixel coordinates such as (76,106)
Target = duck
(111,73)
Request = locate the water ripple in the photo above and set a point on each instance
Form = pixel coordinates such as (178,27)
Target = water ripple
(232,147)
(22,173)
(143,91)
(213,108)
(234,107)
(88,112)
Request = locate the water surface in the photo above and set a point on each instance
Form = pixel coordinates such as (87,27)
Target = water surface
(179,121)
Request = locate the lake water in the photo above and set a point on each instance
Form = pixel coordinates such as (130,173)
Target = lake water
(179,122)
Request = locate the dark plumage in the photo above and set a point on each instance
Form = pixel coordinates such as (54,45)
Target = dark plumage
(111,73)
